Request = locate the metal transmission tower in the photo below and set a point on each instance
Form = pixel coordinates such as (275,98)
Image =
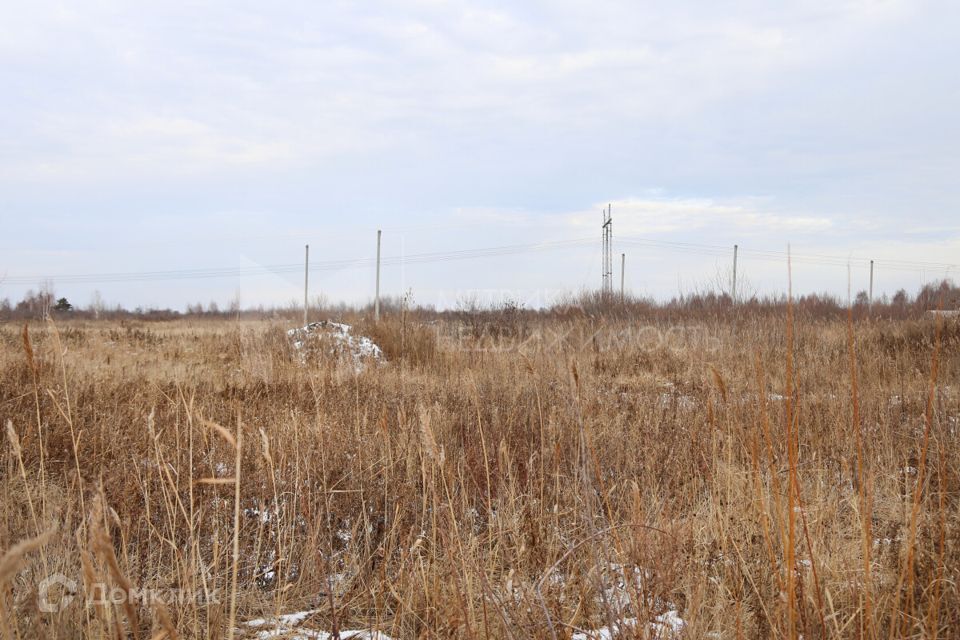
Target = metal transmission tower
(607,290)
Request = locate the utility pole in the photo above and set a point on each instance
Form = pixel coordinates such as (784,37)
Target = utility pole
(306,277)
(376,299)
(610,251)
(871,286)
(603,258)
(733,288)
(607,228)
(623,268)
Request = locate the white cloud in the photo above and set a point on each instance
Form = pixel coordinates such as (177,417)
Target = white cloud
(658,215)
(308,84)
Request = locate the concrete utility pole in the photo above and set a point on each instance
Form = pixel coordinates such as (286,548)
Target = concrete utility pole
(607,289)
(871,285)
(306,277)
(603,264)
(376,299)
(733,288)
(623,268)
(610,251)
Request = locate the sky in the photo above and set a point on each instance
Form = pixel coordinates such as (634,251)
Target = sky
(138,138)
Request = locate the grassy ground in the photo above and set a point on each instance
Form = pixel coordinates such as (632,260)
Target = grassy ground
(505,478)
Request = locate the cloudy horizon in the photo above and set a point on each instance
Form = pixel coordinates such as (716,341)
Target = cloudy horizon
(171,138)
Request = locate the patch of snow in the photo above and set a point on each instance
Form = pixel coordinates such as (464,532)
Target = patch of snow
(263,515)
(665,625)
(287,626)
(605,633)
(620,594)
(286,619)
(621,585)
(683,401)
(670,621)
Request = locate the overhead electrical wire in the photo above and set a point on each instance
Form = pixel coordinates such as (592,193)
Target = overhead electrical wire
(471,254)
(806,258)
(277,269)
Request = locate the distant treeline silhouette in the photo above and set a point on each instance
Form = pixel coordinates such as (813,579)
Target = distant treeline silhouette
(944,294)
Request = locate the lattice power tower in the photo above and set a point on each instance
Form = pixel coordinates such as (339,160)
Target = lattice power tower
(607,289)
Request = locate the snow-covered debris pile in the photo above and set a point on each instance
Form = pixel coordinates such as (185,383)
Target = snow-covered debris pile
(290,627)
(336,339)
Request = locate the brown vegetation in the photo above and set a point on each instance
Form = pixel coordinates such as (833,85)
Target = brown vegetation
(496,478)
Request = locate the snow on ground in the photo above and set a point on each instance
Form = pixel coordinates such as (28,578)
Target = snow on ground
(289,626)
(336,339)
(619,595)
(666,625)
(620,585)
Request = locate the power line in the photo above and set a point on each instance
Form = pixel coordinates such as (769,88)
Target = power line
(470,254)
(278,269)
(763,254)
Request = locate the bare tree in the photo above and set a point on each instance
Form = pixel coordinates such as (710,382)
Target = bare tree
(235,303)
(96,304)
(47,298)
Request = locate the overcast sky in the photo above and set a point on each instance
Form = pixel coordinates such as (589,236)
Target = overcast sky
(229,134)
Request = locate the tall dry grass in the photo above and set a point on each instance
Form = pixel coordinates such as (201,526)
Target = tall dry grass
(762,477)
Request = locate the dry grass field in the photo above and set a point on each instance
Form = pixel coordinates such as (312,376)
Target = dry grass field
(539,476)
